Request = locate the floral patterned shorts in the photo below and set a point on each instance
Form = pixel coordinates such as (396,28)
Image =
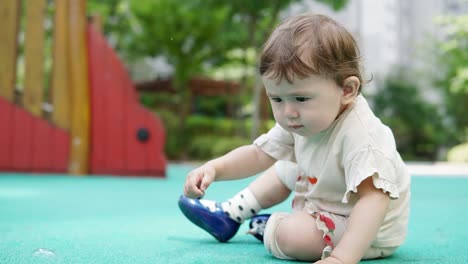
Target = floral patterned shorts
(333,227)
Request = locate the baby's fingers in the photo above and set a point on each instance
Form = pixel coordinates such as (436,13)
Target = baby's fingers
(191,188)
(206,181)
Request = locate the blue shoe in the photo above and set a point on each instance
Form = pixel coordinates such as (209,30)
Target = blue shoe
(257,225)
(215,221)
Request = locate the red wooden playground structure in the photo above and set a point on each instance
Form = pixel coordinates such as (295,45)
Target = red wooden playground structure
(97,125)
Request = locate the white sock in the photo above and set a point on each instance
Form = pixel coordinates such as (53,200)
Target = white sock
(242,206)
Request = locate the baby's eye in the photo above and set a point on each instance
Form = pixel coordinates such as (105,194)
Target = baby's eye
(276,99)
(302,99)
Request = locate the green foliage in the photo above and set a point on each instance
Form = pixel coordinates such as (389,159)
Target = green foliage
(335,4)
(192,35)
(200,135)
(416,124)
(453,57)
(119,23)
(166,101)
(225,144)
(181,31)
(170,122)
(204,137)
(210,106)
(200,147)
(205,147)
(196,37)
(200,125)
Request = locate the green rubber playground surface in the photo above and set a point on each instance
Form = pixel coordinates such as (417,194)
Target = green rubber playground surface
(70,219)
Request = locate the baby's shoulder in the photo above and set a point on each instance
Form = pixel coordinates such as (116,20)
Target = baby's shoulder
(361,130)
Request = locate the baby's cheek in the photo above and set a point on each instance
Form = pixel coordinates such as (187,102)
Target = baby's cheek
(277,116)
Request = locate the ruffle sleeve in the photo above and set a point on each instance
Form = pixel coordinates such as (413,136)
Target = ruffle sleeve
(366,163)
(277,143)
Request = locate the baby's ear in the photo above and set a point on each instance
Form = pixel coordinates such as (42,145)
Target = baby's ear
(350,89)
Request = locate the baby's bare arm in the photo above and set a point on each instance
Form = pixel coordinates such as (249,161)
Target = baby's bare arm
(242,162)
(364,223)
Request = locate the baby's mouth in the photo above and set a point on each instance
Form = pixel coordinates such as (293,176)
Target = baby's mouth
(295,127)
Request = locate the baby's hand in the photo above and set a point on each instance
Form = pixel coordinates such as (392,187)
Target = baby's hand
(198,180)
(329,260)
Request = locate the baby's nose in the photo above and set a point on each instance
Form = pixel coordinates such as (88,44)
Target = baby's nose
(290,111)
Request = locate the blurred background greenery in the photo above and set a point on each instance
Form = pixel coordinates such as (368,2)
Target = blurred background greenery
(168,44)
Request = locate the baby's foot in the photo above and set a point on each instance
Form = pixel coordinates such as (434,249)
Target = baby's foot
(257,225)
(209,216)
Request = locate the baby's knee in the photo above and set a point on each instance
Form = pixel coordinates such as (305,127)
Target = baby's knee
(294,237)
(299,237)
(271,233)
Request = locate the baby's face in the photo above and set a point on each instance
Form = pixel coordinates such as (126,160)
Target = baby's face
(306,107)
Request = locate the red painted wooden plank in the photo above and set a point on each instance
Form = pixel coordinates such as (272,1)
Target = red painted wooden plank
(116,118)
(155,159)
(132,95)
(108,131)
(28,143)
(60,151)
(130,120)
(116,162)
(128,102)
(22,140)
(41,147)
(6,132)
(136,148)
(98,108)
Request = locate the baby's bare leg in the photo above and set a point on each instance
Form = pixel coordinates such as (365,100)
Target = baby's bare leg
(265,191)
(298,237)
(268,189)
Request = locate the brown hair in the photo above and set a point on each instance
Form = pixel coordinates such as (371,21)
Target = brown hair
(310,44)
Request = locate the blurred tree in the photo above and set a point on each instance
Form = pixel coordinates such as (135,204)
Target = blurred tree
(194,36)
(249,25)
(416,124)
(453,57)
(119,24)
